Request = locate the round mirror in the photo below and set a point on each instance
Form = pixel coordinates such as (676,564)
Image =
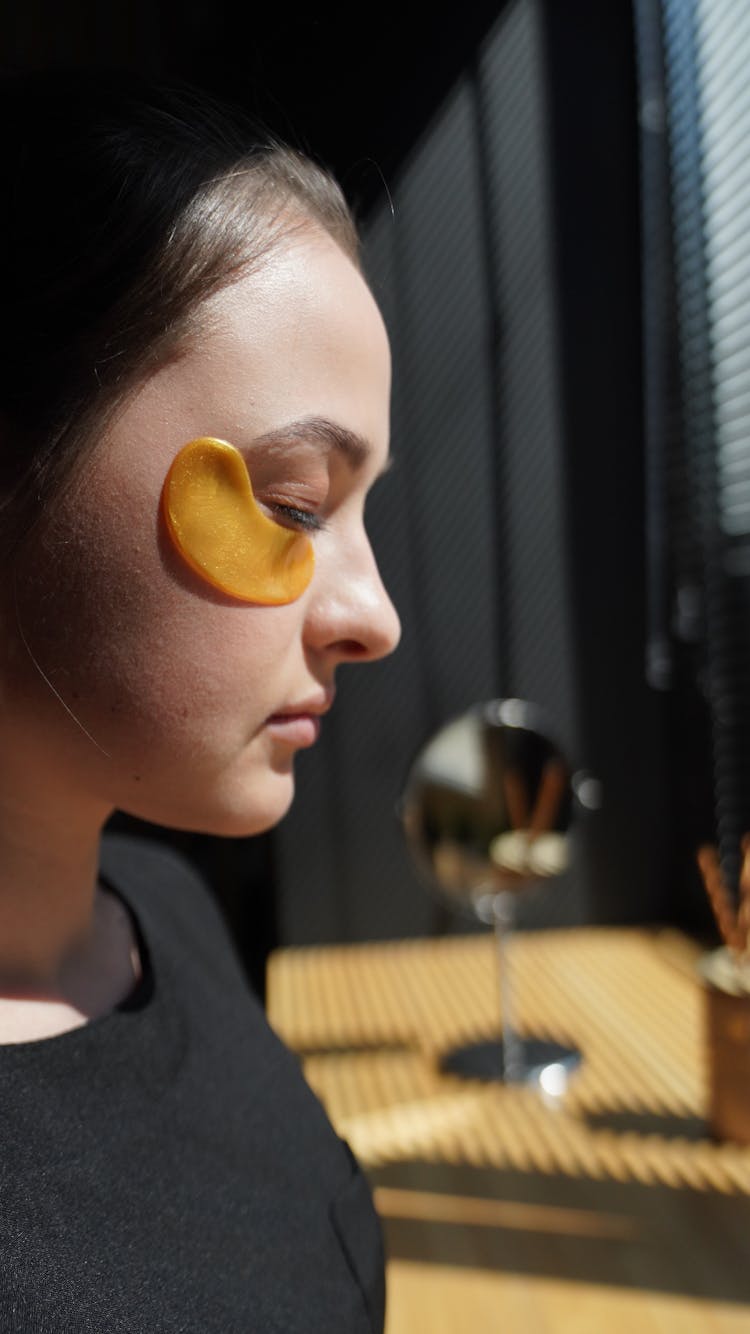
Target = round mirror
(488,803)
(487,810)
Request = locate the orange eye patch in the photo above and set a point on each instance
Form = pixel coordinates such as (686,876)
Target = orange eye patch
(218,528)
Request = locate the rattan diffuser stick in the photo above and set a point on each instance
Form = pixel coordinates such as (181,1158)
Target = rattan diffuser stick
(733,920)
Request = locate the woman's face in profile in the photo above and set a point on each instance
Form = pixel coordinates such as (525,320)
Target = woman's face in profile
(191,694)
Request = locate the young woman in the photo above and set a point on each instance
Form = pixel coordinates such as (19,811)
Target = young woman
(194,393)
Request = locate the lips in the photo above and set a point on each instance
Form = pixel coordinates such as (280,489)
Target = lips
(299,724)
(317,705)
(295,729)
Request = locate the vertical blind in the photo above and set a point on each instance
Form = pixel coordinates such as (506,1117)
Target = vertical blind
(707,57)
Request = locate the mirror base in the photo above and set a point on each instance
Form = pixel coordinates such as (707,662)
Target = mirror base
(548,1065)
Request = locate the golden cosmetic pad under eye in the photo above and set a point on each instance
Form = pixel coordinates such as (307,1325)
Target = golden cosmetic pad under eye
(218,528)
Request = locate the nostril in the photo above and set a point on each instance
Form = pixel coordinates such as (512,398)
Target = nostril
(352,648)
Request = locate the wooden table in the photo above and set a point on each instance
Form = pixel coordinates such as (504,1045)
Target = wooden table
(613,1212)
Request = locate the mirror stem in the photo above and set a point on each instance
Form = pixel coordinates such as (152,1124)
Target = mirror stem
(514,1069)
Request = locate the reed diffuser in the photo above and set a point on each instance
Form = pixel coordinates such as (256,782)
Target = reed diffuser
(728,967)
(726,972)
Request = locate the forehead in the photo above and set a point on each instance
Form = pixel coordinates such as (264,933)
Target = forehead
(303,330)
(300,338)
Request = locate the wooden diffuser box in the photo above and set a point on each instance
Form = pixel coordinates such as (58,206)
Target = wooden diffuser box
(728,1048)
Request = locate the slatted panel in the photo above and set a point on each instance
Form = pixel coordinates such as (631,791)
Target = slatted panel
(536,627)
(538,657)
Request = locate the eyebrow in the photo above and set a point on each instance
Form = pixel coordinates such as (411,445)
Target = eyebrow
(331,436)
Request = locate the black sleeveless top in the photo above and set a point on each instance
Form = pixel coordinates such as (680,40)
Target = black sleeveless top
(166,1167)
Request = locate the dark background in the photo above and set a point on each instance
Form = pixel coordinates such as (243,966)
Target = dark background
(353,86)
(492,158)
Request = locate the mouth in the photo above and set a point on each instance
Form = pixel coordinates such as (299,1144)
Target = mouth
(299,724)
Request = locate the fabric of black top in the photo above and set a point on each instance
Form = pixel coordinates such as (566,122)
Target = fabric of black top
(166,1167)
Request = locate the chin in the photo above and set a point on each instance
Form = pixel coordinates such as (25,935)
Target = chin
(234,813)
(238,824)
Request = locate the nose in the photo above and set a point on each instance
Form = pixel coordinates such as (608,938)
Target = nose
(350,616)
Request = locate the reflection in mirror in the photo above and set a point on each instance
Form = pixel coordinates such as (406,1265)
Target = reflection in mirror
(487,811)
(488,802)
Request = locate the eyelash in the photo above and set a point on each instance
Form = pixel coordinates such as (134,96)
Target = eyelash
(304,519)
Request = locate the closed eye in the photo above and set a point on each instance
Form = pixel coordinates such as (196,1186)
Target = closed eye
(306,520)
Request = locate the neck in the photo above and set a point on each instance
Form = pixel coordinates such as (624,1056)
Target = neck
(62,940)
(68,951)
(49,850)
(47,897)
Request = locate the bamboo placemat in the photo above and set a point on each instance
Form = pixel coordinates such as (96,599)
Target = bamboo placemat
(372,1021)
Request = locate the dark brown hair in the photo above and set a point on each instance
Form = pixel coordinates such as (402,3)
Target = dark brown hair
(125,205)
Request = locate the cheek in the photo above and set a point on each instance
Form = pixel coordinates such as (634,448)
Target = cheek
(128,646)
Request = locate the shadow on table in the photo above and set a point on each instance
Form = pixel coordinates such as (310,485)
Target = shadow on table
(649,1123)
(585,1230)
